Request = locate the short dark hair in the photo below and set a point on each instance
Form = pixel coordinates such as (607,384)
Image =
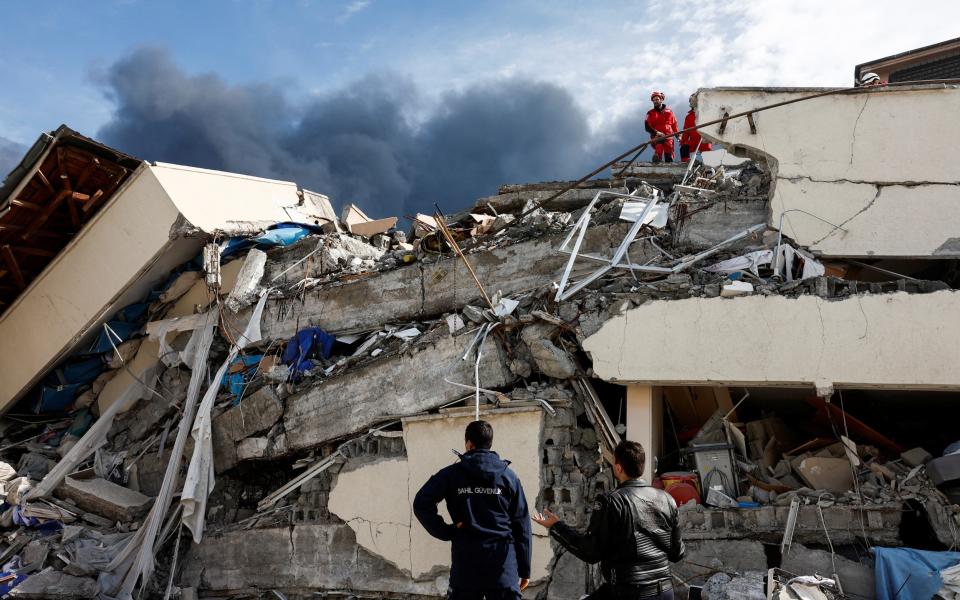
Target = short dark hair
(480,434)
(631,457)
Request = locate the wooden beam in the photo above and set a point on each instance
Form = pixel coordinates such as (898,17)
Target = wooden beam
(13,266)
(79,197)
(45,181)
(25,204)
(87,172)
(95,200)
(46,214)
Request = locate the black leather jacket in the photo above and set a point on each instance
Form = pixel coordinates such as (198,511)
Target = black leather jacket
(633,533)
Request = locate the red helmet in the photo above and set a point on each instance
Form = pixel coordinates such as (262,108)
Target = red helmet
(657,93)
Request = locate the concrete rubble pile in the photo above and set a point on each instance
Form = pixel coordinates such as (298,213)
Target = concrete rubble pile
(284,394)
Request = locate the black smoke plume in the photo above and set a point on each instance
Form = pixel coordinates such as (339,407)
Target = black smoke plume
(357,144)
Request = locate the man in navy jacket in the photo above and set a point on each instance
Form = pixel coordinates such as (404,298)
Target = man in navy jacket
(490,533)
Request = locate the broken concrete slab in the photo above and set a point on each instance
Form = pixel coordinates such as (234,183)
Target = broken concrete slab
(244,291)
(549,359)
(916,457)
(256,413)
(426,289)
(515,200)
(823,473)
(105,498)
(394,386)
(703,558)
(856,578)
(317,556)
(252,448)
(569,580)
(766,524)
(706,224)
(54,585)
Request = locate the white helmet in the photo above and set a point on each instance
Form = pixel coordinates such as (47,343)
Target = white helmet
(868,78)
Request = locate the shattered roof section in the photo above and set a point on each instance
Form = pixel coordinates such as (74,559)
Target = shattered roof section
(60,184)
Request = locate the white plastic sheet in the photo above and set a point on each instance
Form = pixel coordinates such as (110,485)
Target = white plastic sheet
(136,560)
(200,474)
(631,211)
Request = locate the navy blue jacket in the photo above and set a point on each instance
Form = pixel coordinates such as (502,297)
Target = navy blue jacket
(492,549)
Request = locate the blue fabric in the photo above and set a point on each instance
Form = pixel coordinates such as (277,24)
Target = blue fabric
(82,420)
(82,371)
(9,585)
(491,548)
(909,574)
(237,382)
(281,234)
(310,340)
(133,313)
(56,398)
(123,329)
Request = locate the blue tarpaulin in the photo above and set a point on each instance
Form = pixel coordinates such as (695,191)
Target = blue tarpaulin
(281,234)
(909,574)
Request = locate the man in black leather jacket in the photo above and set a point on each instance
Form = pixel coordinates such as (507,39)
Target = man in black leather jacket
(634,534)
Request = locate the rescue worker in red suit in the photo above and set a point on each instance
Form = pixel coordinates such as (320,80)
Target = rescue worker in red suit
(691,139)
(661,124)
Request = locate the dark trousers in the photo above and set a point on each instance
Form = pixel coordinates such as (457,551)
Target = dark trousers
(491,594)
(624,592)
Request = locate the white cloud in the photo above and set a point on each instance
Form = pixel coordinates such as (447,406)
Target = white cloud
(353,8)
(611,58)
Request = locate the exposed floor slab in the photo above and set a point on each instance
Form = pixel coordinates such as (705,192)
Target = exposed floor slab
(420,290)
(395,386)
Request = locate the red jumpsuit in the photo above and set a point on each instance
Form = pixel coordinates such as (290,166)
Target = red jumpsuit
(690,139)
(664,121)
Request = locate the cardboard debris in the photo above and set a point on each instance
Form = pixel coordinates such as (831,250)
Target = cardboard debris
(358,223)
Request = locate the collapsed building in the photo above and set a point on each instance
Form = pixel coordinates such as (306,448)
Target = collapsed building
(216,386)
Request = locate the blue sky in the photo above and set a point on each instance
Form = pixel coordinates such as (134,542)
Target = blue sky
(60,63)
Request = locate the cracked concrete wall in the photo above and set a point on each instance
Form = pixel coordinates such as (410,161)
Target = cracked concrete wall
(877,162)
(382,520)
(898,340)
(394,386)
(426,289)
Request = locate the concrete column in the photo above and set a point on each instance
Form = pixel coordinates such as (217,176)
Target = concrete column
(644,421)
